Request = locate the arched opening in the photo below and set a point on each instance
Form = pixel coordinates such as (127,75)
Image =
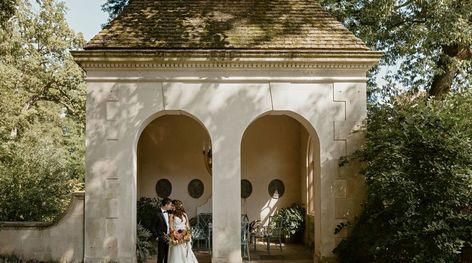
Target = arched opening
(173,160)
(280,161)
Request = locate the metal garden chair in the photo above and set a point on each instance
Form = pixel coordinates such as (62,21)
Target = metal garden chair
(245,237)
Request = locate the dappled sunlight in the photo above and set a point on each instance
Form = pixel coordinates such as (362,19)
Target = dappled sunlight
(226,105)
(60,239)
(228,112)
(310,178)
(68,255)
(221,100)
(274,87)
(104,167)
(307,174)
(268,209)
(212,25)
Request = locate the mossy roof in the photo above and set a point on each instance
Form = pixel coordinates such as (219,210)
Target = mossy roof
(222,24)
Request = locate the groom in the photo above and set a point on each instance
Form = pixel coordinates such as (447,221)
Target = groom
(162,227)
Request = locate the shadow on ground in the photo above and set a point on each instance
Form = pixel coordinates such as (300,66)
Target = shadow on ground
(294,253)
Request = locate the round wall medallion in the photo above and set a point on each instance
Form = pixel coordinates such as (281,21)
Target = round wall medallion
(276,188)
(163,188)
(246,188)
(195,188)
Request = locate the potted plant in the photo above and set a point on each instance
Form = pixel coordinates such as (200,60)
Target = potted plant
(291,221)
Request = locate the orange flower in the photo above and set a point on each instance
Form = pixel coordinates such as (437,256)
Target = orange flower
(179,236)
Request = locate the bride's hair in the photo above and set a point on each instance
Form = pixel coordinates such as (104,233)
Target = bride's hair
(179,208)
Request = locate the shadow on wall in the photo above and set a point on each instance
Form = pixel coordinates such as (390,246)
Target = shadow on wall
(61,240)
(224,108)
(211,24)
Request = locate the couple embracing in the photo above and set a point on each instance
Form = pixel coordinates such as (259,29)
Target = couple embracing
(174,240)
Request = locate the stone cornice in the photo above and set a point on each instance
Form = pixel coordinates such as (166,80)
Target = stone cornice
(239,59)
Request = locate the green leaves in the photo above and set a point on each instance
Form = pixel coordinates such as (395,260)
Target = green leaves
(42,105)
(35,182)
(143,244)
(429,42)
(289,219)
(418,160)
(146,216)
(114,7)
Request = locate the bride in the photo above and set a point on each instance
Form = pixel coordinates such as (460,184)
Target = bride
(180,244)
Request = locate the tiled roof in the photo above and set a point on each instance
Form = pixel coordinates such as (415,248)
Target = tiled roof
(224,24)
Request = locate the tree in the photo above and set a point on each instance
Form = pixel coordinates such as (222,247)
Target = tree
(7,9)
(114,7)
(417,166)
(431,40)
(42,105)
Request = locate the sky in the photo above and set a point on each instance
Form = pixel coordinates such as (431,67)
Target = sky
(86,16)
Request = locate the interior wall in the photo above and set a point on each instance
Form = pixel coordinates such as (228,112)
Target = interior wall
(271,150)
(273,147)
(170,148)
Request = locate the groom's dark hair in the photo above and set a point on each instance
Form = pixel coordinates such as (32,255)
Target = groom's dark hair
(166,201)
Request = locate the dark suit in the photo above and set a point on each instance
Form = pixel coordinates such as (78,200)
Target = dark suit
(162,243)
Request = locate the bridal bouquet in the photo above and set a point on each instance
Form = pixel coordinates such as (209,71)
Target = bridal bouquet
(179,236)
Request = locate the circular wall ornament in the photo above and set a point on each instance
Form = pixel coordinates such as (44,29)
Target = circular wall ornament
(246,188)
(163,188)
(276,188)
(195,188)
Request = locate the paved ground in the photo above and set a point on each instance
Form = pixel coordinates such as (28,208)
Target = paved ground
(293,253)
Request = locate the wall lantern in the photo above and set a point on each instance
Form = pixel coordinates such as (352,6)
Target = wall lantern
(207,156)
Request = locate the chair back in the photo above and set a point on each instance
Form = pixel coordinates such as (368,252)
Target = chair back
(198,233)
(245,236)
(201,231)
(256,228)
(203,219)
(274,227)
(245,229)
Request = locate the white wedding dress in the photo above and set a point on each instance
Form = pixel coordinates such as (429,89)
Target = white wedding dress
(181,253)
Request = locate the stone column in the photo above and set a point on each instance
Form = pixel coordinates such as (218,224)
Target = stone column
(115,114)
(101,174)
(226,199)
(226,109)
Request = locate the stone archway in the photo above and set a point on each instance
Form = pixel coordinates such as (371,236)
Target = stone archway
(170,162)
(283,147)
(121,106)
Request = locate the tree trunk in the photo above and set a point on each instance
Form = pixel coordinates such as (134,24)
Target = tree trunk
(442,81)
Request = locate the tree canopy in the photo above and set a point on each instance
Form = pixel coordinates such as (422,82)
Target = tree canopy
(7,9)
(114,7)
(418,169)
(42,105)
(430,40)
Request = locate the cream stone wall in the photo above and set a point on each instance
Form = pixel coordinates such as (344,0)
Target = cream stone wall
(62,241)
(328,101)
